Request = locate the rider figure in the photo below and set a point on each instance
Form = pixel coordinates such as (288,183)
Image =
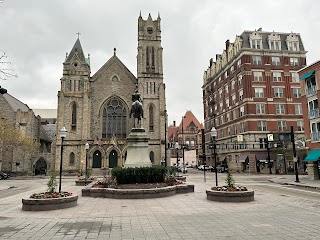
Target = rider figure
(136,96)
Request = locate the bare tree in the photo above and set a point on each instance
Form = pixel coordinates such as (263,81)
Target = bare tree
(4,71)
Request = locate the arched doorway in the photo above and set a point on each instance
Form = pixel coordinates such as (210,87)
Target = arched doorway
(113,159)
(97,159)
(41,167)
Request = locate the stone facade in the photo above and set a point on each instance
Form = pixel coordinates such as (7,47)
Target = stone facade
(95,109)
(15,159)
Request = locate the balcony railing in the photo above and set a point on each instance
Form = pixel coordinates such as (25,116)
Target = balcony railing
(315,136)
(311,91)
(314,113)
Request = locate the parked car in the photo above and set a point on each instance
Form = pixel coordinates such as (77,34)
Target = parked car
(207,168)
(220,169)
(3,175)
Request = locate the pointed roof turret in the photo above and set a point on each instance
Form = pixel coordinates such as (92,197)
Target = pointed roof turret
(149,18)
(76,50)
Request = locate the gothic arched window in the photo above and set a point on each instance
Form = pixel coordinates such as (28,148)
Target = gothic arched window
(74,117)
(147,56)
(152,56)
(151,118)
(114,119)
(71,159)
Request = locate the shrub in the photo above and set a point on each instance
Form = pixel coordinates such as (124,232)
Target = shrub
(229,180)
(52,182)
(139,174)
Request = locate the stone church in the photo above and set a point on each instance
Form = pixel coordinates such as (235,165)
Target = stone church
(95,108)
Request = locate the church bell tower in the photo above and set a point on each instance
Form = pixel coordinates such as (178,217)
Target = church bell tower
(151,86)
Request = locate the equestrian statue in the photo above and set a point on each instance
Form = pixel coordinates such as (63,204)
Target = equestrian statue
(136,108)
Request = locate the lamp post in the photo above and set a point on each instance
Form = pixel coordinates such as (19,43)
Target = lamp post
(86,146)
(294,155)
(182,146)
(177,149)
(165,138)
(269,160)
(63,134)
(214,134)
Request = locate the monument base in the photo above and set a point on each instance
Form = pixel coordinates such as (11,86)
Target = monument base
(137,151)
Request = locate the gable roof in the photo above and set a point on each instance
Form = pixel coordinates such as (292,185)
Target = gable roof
(188,119)
(15,104)
(115,59)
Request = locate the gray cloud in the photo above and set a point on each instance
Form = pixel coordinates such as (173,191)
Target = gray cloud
(36,35)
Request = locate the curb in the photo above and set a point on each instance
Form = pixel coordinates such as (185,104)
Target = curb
(294,184)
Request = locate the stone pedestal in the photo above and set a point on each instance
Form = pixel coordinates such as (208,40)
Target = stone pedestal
(137,151)
(313,173)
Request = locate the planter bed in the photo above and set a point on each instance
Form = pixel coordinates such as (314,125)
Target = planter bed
(82,182)
(136,193)
(230,196)
(33,204)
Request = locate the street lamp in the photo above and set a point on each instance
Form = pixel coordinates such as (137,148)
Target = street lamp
(63,134)
(86,146)
(165,138)
(214,134)
(295,159)
(177,149)
(182,146)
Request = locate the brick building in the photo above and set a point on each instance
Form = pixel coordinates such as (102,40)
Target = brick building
(14,158)
(186,135)
(310,94)
(95,109)
(251,90)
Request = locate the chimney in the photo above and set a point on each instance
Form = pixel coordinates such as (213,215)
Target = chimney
(174,123)
(227,44)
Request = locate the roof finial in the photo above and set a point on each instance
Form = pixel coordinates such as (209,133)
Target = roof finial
(158,14)
(78,33)
(114,51)
(140,14)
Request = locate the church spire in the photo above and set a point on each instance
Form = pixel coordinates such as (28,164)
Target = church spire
(76,50)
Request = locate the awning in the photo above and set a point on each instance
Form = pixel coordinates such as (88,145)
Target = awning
(243,157)
(306,75)
(313,156)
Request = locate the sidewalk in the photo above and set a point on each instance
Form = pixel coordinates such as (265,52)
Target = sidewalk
(290,180)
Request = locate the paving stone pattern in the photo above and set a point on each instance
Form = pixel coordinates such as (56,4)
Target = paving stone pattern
(184,216)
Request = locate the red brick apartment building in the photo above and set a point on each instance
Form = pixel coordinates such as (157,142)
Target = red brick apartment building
(186,135)
(250,91)
(310,94)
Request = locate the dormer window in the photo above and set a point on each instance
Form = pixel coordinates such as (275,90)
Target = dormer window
(274,41)
(293,42)
(255,40)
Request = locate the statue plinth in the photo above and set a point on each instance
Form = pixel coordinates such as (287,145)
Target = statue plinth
(137,151)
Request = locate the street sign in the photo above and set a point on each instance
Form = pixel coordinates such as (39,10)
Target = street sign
(270,137)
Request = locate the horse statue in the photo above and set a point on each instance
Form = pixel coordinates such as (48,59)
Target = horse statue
(136,108)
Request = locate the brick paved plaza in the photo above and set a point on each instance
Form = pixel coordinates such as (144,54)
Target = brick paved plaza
(277,213)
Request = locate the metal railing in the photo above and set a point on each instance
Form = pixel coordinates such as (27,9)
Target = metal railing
(314,113)
(315,136)
(311,91)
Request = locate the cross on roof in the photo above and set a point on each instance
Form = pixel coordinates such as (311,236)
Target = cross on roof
(78,33)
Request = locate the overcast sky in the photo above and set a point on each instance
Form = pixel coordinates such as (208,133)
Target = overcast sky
(35,35)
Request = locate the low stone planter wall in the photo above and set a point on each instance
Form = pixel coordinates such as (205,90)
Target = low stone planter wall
(225,196)
(181,178)
(183,188)
(82,182)
(136,193)
(32,204)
